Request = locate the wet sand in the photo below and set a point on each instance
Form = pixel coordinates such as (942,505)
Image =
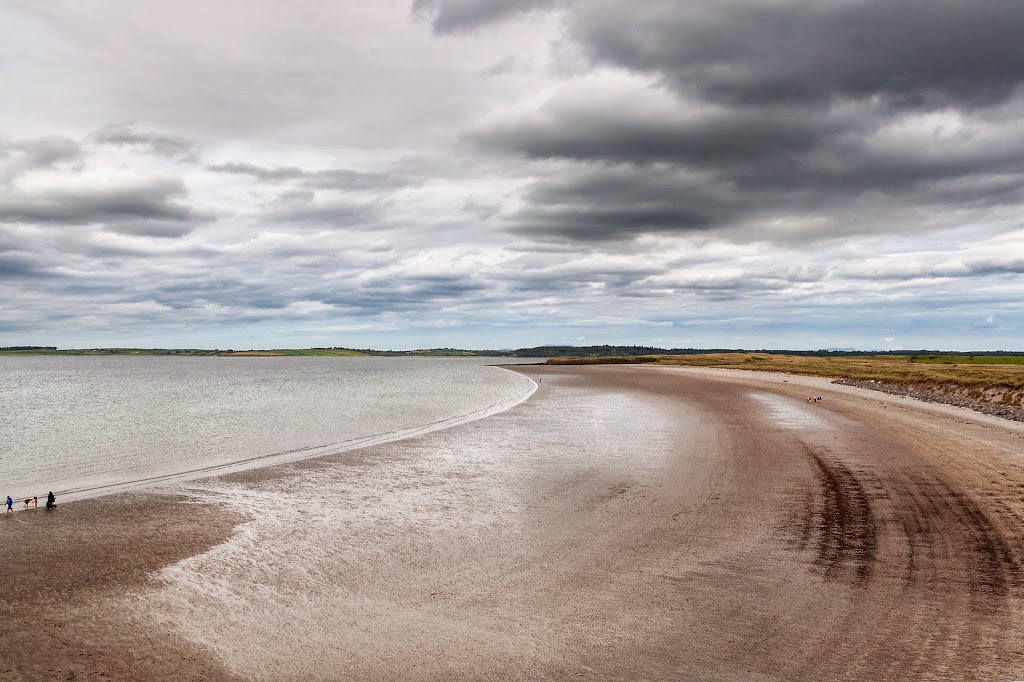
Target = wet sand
(624,523)
(70,575)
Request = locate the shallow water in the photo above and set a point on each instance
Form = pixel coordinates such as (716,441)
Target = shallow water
(397,550)
(89,425)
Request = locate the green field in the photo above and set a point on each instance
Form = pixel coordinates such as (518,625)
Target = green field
(968,359)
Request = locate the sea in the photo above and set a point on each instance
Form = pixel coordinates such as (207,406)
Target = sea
(83,426)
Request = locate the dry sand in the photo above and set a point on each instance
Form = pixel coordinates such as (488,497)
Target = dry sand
(624,523)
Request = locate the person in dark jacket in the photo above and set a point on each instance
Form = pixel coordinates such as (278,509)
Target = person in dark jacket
(51,501)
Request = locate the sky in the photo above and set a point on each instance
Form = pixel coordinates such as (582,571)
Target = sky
(797,174)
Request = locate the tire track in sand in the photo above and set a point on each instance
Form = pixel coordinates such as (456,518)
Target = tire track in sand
(840,522)
(920,566)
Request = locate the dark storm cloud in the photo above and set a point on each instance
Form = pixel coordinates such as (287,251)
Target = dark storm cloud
(812,159)
(155,200)
(767,148)
(588,222)
(20,156)
(57,181)
(20,266)
(804,110)
(726,136)
(170,146)
(452,16)
(601,203)
(907,52)
(341,179)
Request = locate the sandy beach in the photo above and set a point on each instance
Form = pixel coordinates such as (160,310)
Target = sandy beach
(624,523)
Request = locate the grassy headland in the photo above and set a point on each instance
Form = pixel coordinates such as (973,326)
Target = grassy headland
(988,383)
(966,370)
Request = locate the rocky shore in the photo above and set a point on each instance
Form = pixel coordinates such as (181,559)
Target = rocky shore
(1004,402)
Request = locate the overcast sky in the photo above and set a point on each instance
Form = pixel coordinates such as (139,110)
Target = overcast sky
(506,173)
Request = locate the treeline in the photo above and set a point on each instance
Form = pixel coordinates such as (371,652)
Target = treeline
(439,352)
(592,351)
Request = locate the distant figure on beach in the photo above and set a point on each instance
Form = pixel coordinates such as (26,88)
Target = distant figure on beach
(10,505)
(28,500)
(51,501)
(35,502)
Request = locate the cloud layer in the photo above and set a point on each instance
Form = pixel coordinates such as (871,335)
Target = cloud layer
(484,174)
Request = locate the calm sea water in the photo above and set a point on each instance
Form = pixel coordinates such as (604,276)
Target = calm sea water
(87,425)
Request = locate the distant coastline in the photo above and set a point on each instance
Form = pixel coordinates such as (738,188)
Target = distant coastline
(273,352)
(572,354)
(988,381)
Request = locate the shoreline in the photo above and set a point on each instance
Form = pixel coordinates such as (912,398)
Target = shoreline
(556,539)
(93,490)
(987,387)
(864,393)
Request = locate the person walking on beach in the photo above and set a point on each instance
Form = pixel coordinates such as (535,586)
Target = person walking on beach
(51,501)
(35,502)
(10,505)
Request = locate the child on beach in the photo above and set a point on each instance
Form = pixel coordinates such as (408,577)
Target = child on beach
(10,505)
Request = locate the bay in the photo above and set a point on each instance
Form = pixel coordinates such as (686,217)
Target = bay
(88,425)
